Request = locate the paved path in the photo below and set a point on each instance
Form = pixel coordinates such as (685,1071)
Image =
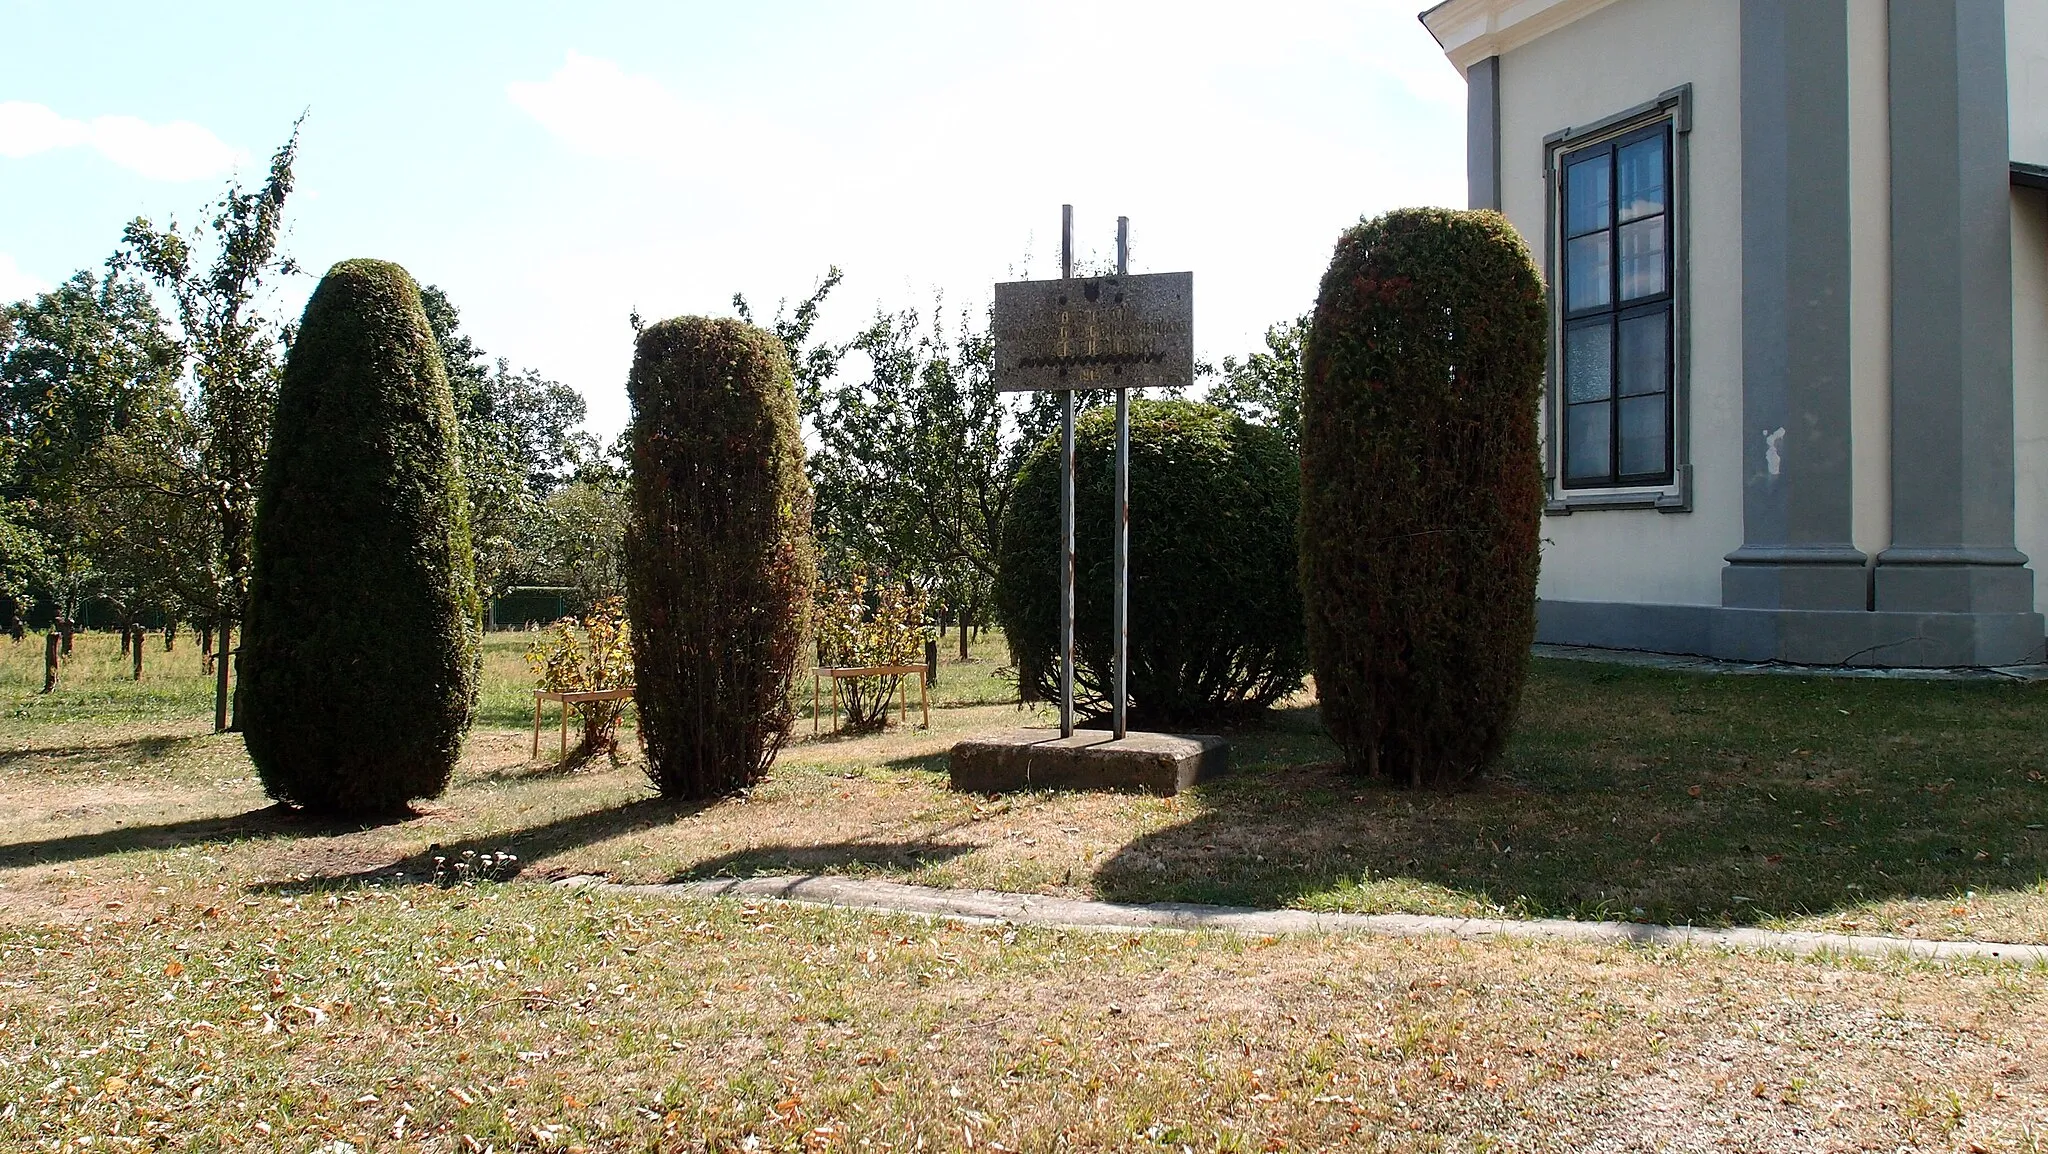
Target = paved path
(1074,913)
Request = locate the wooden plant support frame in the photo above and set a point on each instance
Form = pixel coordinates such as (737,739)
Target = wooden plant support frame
(838,673)
(569,700)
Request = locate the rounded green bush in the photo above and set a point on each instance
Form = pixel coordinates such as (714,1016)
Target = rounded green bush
(1422,490)
(359,657)
(1215,618)
(719,562)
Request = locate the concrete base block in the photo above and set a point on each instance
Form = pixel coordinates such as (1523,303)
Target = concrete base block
(1160,763)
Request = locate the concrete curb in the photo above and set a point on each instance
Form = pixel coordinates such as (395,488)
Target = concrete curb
(1073,913)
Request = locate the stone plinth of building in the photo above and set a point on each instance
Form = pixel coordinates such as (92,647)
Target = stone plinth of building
(1158,763)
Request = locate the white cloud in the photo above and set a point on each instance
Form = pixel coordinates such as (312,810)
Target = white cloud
(178,150)
(15,284)
(599,109)
(1240,146)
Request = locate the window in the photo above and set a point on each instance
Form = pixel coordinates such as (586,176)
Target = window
(1616,298)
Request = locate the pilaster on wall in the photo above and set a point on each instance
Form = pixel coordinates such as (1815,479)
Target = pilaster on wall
(1798,491)
(1952,374)
(1482,134)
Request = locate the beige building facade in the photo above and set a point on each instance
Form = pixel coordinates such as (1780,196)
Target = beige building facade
(1797,405)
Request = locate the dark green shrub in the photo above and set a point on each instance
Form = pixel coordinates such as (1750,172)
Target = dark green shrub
(1422,490)
(1215,605)
(359,657)
(719,562)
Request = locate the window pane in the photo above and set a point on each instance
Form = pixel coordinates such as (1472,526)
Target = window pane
(1586,272)
(1645,354)
(1639,179)
(1585,443)
(1642,258)
(1642,434)
(1585,195)
(1589,363)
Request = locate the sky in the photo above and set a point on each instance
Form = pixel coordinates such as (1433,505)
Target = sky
(555,168)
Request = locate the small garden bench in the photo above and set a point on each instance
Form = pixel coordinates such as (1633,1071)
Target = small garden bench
(569,700)
(838,673)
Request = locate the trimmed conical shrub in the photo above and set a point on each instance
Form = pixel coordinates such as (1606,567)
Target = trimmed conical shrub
(1422,490)
(359,656)
(719,559)
(1215,600)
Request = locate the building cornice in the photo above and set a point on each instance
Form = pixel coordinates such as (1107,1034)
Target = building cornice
(1472,30)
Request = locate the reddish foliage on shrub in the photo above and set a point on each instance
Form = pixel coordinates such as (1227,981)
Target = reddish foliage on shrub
(1422,490)
(719,560)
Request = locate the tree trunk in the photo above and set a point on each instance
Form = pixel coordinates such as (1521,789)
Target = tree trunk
(50,647)
(127,637)
(66,626)
(966,615)
(170,633)
(140,633)
(235,697)
(220,680)
(205,649)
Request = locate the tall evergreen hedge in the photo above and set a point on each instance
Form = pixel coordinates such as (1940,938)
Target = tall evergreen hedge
(1422,490)
(1215,601)
(719,560)
(359,655)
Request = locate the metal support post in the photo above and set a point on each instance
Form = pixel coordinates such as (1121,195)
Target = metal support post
(1122,600)
(1067,506)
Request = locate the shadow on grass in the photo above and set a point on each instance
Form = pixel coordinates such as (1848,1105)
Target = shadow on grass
(939,762)
(839,857)
(1642,794)
(580,760)
(273,821)
(150,747)
(530,847)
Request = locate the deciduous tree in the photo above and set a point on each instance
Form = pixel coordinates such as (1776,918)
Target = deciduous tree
(87,381)
(233,343)
(1266,385)
(521,445)
(914,463)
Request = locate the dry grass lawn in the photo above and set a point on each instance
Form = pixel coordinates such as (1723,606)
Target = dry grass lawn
(1912,808)
(184,966)
(519,1017)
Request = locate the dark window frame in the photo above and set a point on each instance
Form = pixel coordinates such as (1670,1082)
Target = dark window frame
(1615,310)
(1669,491)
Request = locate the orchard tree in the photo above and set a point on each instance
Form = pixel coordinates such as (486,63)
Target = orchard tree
(521,446)
(88,366)
(1265,387)
(233,344)
(812,362)
(142,523)
(23,566)
(913,466)
(580,537)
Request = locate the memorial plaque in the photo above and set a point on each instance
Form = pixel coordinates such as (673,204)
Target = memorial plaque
(1108,332)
